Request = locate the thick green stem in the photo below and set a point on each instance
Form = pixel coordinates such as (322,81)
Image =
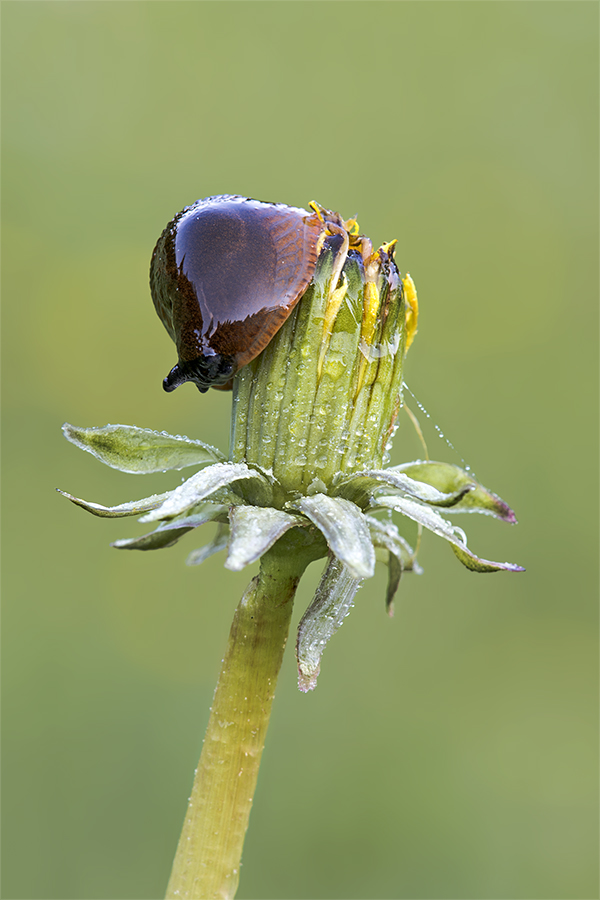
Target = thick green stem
(207,862)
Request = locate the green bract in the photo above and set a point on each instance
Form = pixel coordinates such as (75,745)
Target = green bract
(312,422)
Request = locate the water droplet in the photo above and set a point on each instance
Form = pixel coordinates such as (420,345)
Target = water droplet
(438,429)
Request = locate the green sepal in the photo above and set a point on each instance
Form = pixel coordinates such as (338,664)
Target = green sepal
(156,540)
(141,451)
(363,486)
(332,602)
(254,529)
(476,564)
(218,543)
(133,508)
(168,533)
(344,528)
(400,557)
(394,575)
(201,486)
(385,535)
(431,519)
(451,479)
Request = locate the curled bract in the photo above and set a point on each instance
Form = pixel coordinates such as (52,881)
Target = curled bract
(343,523)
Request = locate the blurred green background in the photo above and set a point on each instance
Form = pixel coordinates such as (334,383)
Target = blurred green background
(450,752)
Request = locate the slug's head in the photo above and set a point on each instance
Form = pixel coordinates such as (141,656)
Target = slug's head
(205,371)
(225,275)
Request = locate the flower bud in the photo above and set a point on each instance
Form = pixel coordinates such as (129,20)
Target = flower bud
(317,391)
(323,397)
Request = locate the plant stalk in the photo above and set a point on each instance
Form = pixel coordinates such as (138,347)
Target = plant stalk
(207,861)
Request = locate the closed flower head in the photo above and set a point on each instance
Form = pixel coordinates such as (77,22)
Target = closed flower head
(309,324)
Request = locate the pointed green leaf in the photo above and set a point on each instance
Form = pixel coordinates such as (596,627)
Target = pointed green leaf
(387,536)
(394,576)
(332,602)
(133,508)
(218,543)
(362,486)
(451,479)
(475,564)
(345,530)
(400,555)
(253,530)
(140,451)
(200,486)
(155,540)
(424,515)
(431,519)
(168,533)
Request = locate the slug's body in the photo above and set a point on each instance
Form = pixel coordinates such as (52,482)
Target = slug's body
(225,275)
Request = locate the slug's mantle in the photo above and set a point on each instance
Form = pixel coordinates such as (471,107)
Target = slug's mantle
(312,420)
(226,274)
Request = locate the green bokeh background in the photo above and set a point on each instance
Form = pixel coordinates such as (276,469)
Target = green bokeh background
(451,752)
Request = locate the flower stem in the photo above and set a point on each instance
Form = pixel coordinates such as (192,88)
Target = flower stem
(207,861)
